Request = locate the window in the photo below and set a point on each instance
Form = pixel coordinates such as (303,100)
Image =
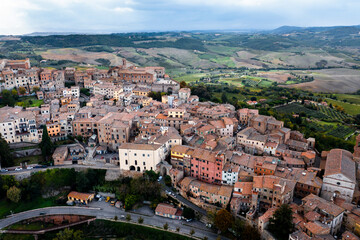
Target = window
(126,162)
(135,162)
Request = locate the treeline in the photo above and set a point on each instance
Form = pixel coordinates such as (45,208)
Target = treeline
(114,40)
(51,182)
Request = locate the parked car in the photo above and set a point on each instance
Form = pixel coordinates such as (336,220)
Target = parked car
(29,167)
(188,220)
(42,213)
(18,169)
(3,170)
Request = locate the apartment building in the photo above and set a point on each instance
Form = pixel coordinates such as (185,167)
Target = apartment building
(207,166)
(205,193)
(73,91)
(18,125)
(140,157)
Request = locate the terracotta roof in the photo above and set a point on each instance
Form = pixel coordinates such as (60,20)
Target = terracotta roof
(340,161)
(317,228)
(80,196)
(133,146)
(164,208)
(313,202)
(347,235)
(246,188)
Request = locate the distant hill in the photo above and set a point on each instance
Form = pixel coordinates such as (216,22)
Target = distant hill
(294,29)
(35,34)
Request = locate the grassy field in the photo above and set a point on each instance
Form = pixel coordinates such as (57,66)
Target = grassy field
(7,206)
(34,226)
(29,102)
(191,77)
(355,99)
(349,108)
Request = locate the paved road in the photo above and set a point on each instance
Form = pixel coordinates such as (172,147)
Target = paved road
(103,210)
(104,166)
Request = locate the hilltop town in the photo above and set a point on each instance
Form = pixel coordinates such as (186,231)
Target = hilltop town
(137,119)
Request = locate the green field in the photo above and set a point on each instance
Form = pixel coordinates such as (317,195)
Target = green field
(7,206)
(190,77)
(332,114)
(349,98)
(29,102)
(341,132)
(298,108)
(349,108)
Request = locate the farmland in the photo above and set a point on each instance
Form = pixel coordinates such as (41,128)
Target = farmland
(298,108)
(352,109)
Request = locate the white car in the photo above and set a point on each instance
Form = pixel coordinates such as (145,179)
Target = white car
(29,168)
(18,169)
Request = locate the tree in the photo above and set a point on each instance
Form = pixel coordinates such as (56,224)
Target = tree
(177,229)
(130,201)
(167,180)
(6,159)
(166,226)
(35,89)
(69,234)
(357,119)
(250,233)
(14,194)
(188,213)
(22,90)
(140,220)
(253,98)
(85,91)
(46,144)
(192,232)
(224,98)
(223,220)
(7,98)
(80,138)
(238,227)
(282,217)
(182,84)
(14,93)
(128,217)
(82,182)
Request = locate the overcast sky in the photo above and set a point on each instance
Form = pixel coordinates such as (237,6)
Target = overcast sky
(106,16)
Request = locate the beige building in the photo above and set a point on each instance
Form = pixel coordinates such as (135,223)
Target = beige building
(140,157)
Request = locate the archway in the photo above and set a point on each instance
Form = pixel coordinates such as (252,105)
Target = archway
(132,168)
(170,90)
(138,169)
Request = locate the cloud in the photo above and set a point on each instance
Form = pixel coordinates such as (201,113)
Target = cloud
(25,16)
(123,9)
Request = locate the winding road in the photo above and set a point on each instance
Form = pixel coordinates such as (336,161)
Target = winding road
(102,210)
